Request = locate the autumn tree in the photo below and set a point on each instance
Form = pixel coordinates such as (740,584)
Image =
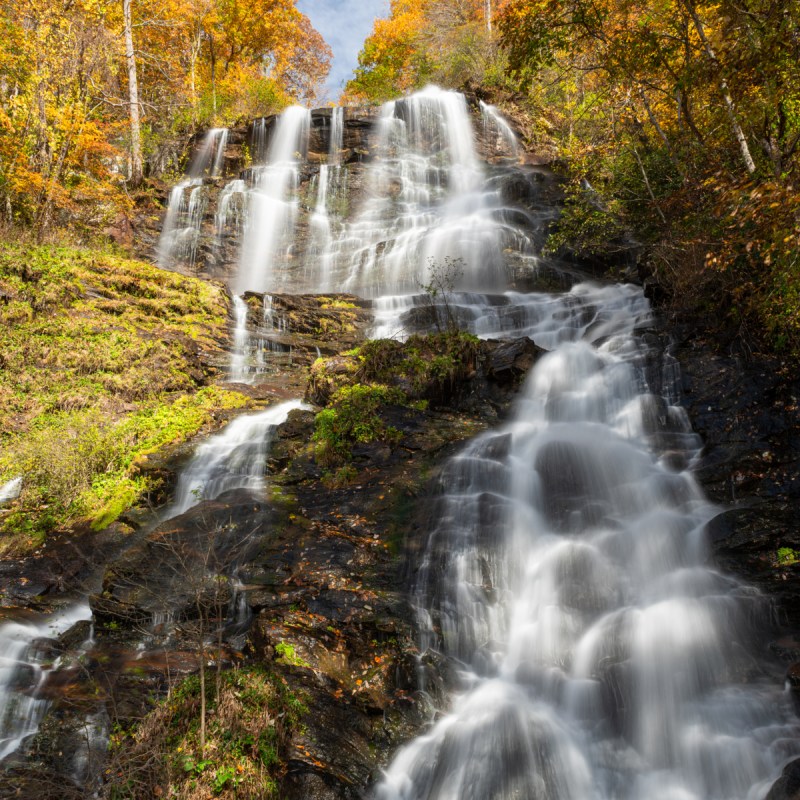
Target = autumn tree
(95,92)
(450,42)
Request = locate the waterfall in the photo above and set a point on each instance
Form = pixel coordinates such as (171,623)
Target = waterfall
(239,370)
(231,209)
(10,491)
(430,203)
(233,459)
(596,652)
(258,142)
(208,159)
(272,202)
(330,188)
(587,311)
(24,668)
(182,227)
(567,577)
(504,138)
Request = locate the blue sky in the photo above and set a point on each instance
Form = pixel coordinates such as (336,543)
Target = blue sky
(344,24)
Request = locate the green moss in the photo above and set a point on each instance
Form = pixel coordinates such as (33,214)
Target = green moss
(338,479)
(786,556)
(353,418)
(326,303)
(287,655)
(98,367)
(356,385)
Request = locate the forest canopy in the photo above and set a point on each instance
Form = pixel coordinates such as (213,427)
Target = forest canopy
(678,122)
(97,92)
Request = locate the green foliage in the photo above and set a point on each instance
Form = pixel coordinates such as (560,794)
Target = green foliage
(787,556)
(82,465)
(587,225)
(287,655)
(248,726)
(98,368)
(343,476)
(425,367)
(358,384)
(353,418)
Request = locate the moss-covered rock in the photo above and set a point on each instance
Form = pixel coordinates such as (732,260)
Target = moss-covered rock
(103,360)
(438,370)
(430,367)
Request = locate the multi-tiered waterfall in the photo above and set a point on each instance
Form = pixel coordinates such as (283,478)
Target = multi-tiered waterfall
(595,652)
(567,579)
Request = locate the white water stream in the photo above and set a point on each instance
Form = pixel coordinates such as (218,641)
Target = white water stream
(24,667)
(235,458)
(181,230)
(600,656)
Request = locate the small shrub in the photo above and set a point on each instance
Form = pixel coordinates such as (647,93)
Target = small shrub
(352,418)
(249,724)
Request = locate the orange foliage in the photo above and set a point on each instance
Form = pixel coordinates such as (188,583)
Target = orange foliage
(64,96)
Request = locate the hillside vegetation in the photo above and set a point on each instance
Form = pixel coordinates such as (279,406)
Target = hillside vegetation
(678,124)
(101,362)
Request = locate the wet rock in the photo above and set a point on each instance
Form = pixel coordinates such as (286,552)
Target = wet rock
(787,787)
(172,570)
(507,361)
(746,411)
(786,648)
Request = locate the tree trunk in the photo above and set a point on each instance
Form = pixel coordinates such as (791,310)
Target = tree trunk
(133,94)
(201,646)
(730,106)
(213,53)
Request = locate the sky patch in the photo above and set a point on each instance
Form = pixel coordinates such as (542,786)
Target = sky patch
(344,24)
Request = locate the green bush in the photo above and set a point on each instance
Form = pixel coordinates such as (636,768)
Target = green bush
(352,418)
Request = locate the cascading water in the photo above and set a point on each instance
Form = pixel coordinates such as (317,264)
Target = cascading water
(505,142)
(233,459)
(10,491)
(567,577)
(268,211)
(182,226)
(231,210)
(272,203)
(330,189)
(24,667)
(429,201)
(430,204)
(240,369)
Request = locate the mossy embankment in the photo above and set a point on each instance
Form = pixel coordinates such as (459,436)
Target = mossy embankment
(102,360)
(356,385)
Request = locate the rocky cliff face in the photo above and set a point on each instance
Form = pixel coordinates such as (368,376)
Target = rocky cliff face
(215,215)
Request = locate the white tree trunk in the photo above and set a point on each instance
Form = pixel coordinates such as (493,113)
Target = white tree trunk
(730,106)
(133,95)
